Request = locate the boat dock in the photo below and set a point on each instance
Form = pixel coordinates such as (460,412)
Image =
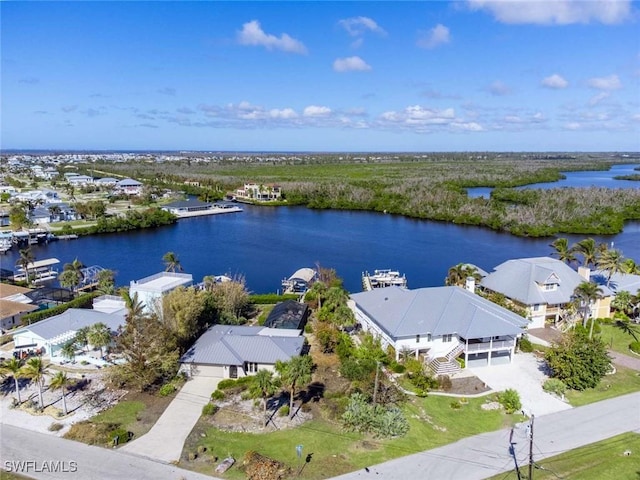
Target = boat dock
(383,278)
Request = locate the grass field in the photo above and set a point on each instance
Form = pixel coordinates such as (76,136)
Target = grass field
(616,339)
(622,382)
(333,451)
(598,461)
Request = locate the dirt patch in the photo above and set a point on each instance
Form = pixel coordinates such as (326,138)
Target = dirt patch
(468,386)
(154,407)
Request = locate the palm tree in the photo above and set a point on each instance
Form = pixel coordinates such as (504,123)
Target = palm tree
(611,262)
(68,350)
(99,336)
(71,275)
(563,250)
(294,373)
(171,262)
(35,369)
(630,266)
(60,381)
(106,282)
(264,385)
(588,250)
(319,289)
(26,259)
(587,293)
(13,367)
(623,302)
(458,274)
(135,308)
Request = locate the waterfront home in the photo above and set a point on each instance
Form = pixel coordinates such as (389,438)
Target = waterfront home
(150,290)
(80,180)
(128,186)
(40,215)
(105,182)
(232,351)
(259,192)
(439,324)
(14,304)
(544,287)
(288,314)
(48,336)
(186,206)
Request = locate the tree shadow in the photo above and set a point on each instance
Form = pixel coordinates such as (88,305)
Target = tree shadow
(313,393)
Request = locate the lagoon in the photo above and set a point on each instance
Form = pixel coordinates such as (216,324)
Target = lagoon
(267,244)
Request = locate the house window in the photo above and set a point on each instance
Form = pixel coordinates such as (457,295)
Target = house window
(428,337)
(417,338)
(447,338)
(250,367)
(550,286)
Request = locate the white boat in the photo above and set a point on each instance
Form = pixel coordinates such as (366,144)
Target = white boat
(383,278)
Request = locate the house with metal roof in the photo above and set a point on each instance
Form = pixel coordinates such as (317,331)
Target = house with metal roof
(232,351)
(439,324)
(151,289)
(544,286)
(288,314)
(129,186)
(49,335)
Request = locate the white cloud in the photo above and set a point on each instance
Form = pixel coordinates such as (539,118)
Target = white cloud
(284,113)
(253,35)
(573,126)
(351,64)
(596,99)
(468,126)
(438,35)
(612,82)
(499,89)
(316,111)
(358,26)
(556,12)
(554,81)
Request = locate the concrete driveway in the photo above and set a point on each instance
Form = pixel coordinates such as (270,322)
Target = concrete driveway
(525,375)
(166,438)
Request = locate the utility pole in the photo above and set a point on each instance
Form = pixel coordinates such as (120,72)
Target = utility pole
(375,387)
(512,451)
(531,447)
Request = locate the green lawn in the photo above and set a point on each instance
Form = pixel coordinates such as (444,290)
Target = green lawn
(123,413)
(598,461)
(333,451)
(616,339)
(622,382)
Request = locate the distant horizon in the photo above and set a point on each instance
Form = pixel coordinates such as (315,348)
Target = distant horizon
(298,76)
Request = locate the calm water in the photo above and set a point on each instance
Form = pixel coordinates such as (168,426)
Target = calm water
(578,180)
(267,244)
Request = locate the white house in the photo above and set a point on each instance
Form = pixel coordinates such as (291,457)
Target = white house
(439,324)
(232,351)
(129,186)
(151,289)
(80,180)
(259,192)
(48,336)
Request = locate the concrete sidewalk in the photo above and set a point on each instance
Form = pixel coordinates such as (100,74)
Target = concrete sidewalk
(166,438)
(525,374)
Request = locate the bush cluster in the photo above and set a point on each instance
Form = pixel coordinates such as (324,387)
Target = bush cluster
(166,389)
(525,345)
(635,347)
(510,400)
(554,385)
(362,416)
(209,409)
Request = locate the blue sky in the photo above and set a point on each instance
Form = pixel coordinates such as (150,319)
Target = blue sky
(321,76)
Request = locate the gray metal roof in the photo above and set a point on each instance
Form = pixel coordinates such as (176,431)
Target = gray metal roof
(437,311)
(523,280)
(619,282)
(73,320)
(234,345)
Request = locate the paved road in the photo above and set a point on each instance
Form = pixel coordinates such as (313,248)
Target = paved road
(166,438)
(18,445)
(473,458)
(479,457)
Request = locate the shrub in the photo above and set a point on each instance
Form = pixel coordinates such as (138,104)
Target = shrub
(525,345)
(217,395)
(398,368)
(226,384)
(271,298)
(554,385)
(456,405)
(361,416)
(635,347)
(461,361)
(166,389)
(55,427)
(284,411)
(510,400)
(308,328)
(444,381)
(5,339)
(209,409)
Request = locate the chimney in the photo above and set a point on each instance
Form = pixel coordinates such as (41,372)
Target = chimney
(584,272)
(470,284)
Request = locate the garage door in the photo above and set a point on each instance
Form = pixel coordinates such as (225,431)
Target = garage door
(209,371)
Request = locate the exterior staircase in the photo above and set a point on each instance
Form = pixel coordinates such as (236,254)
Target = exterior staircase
(446,365)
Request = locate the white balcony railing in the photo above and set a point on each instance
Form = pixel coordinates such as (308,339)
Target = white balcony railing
(490,346)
